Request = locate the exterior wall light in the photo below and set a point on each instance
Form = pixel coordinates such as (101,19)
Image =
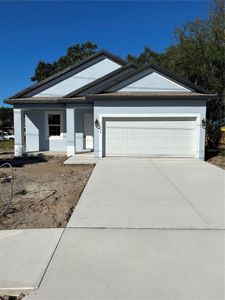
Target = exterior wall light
(97,124)
(203,123)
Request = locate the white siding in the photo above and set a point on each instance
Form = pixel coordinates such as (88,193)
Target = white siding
(154,82)
(80,79)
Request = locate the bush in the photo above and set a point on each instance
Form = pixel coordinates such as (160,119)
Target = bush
(222,152)
(213,136)
(6,145)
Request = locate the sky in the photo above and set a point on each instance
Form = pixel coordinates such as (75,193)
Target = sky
(31,31)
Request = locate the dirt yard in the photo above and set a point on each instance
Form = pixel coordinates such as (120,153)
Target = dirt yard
(218,161)
(45,191)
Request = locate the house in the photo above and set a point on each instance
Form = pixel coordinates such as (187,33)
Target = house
(113,108)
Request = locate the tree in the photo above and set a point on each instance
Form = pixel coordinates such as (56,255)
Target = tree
(6,117)
(74,54)
(199,55)
(146,57)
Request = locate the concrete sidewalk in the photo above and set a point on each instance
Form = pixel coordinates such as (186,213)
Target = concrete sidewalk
(126,264)
(24,258)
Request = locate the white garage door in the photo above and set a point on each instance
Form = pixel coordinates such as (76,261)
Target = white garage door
(152,137)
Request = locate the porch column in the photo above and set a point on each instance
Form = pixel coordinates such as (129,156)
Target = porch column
(70,127)
(18,131)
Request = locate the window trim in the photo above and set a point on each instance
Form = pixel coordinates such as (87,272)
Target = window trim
(53,137)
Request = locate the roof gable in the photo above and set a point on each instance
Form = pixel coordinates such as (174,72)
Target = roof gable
(97,85)
(73,77)
(77,78)
(152,82)
(151,78)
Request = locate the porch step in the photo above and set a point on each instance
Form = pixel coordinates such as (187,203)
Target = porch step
(81,160)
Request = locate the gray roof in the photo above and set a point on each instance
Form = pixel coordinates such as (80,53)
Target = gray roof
(38,100)
(103,86)
(113,96)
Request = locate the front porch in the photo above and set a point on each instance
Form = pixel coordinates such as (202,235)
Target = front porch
(55,129)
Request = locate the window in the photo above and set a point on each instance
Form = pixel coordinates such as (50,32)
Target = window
(54,124)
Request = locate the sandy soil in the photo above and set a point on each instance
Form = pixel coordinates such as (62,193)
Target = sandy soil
(45,192)
(218,161)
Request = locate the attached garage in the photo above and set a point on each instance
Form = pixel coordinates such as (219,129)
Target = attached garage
(168,137)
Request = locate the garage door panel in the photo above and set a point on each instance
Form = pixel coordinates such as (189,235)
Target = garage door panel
(159,132)
(150,138)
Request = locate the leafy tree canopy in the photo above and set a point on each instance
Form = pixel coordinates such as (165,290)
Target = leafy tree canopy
(146,57)
(74,54)
(199,55)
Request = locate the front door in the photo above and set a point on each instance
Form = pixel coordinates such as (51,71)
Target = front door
(88,131)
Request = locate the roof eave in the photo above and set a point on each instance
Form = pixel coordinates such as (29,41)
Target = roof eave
(148,96)
(45,100)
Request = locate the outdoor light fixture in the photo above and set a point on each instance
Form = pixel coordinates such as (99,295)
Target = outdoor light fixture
(203,123)
(97,124)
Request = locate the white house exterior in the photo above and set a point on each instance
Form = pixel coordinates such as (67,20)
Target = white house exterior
(105,105)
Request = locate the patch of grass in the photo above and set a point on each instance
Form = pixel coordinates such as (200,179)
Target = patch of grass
(222,152)
(6,145)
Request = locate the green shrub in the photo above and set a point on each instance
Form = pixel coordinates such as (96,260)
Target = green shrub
(222,152)
(6,145)
(213,136)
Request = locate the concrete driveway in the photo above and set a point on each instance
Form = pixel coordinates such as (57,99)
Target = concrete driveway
(152,193)
(143,229)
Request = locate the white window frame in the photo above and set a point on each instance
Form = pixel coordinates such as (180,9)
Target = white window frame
(53,137)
